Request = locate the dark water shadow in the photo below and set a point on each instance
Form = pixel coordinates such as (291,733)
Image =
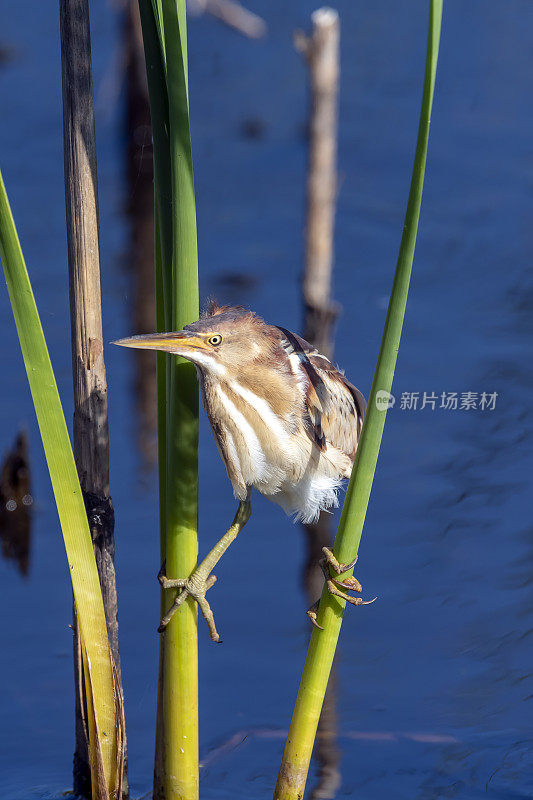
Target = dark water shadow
(15,505)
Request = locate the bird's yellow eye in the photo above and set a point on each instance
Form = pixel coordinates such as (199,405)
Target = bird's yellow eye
(215,340)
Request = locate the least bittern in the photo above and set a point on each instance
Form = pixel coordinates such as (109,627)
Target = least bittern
(285,420)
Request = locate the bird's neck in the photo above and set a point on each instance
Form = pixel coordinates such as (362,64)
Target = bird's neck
(254,391)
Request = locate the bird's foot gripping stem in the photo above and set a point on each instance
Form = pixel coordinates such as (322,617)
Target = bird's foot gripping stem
(334,585)
(202,579)
(196,587)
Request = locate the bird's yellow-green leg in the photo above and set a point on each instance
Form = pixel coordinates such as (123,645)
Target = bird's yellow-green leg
(201,580)
(350,583)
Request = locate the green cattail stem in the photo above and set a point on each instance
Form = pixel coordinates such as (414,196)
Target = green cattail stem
(165,43)
(297,755)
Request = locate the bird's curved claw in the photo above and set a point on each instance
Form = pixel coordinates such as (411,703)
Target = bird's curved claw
(336,565)
(351,583)
(334,585)
(354,601)
(312,613)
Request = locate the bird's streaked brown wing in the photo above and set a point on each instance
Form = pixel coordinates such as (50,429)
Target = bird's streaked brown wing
(343,420)
(335,407)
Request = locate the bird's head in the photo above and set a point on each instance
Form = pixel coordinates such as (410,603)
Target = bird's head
(224,340)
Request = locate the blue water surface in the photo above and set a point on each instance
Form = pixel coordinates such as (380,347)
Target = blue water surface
(434,681)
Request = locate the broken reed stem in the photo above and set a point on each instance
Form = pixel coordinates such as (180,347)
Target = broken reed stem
(297,754)
(91,438)
(321,51)
(233,14)
(322,55)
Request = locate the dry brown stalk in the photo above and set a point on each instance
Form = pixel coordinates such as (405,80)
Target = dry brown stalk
(91,439)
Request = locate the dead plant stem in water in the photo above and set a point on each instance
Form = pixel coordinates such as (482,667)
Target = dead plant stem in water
(90,430)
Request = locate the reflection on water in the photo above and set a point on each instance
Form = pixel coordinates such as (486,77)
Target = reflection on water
(15,505)
(235,288)
(326,752)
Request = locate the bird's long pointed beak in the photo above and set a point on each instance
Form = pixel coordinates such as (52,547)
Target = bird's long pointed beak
(181,343)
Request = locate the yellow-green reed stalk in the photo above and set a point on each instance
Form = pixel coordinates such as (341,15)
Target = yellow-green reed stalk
(296,757)
(165,42)
(105,714)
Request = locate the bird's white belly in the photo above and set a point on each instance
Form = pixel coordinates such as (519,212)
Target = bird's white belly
(313,493)
(286,469)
